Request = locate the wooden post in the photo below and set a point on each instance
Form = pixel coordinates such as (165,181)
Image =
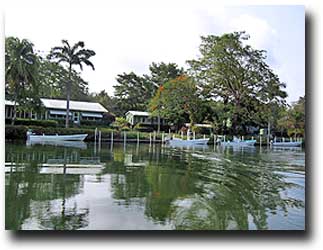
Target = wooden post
(99,140)
(194,135)
(154,138)
(242,138)
(283,139)
(224,138)
(137,137)
(203,136)
(95,134)
(149,138)
(214,139)
(188,135)
(182,135)
(260,139)
(111,140)
(124,137)
(163,137)
(268,133)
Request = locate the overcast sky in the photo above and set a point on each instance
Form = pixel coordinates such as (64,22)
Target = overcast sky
(129,36)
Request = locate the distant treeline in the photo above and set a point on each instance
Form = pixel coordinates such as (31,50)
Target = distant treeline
(229,85)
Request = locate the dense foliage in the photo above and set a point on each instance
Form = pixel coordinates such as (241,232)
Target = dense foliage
(21,71)
(234,73)
(229,85)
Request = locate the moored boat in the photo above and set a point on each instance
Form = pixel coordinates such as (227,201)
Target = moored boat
(77,137)
(287,144)
(193,142)
(238,142)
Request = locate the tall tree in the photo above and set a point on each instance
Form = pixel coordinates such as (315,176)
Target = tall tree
(70,56)
(161,73)
(21,71)
(53,78)
(177,101)
(292,120)
(132,92)
(232,71)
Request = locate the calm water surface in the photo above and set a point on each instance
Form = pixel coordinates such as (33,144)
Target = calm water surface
(78,186)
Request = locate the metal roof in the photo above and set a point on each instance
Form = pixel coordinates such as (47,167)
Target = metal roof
(9,103)
(74,105)
(139,113)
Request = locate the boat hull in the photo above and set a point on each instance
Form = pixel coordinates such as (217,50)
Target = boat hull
(38,138)
(287,144)
(247,143)
(180,142)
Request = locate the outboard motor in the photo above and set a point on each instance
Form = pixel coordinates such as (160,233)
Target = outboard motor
(28,134)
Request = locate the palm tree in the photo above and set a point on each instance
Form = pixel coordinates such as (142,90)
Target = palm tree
(21,70)
(75,55)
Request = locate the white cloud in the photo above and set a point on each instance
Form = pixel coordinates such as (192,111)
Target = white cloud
(262,35)
(129,37)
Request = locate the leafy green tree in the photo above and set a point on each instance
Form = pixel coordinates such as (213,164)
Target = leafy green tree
(53,79)
(21,72)
(132,92)
(161,73)
(235,73)
(75,55)
(177,101)
(292,120)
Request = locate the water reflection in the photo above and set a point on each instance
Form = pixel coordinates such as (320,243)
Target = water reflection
(73,144)
(157,187)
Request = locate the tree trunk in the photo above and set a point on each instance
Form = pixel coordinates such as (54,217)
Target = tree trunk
(14,113)
(158,129)
(68,94)
(236,115)
(13,119)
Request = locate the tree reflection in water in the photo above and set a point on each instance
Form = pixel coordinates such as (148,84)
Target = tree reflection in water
(230,192)
(189,189)
(29,192)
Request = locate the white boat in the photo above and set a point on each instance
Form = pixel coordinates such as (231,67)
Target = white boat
(237,142)
(193,142)
(77,137)
(287,144)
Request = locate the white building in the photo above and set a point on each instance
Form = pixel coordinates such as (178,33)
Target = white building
(55,109)
(135,117)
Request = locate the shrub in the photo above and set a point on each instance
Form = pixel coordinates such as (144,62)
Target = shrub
(15,132)
(120,124)
(42,123)
(143,128)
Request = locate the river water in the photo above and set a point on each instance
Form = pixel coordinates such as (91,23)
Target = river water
(78,186)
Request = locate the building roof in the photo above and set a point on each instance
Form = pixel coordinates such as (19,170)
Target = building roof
(139,113)
(200,125)
(74,105)
(9,103)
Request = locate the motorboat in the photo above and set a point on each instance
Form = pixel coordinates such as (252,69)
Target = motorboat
(237,142)
(193,142)
(77,137)
(287,144)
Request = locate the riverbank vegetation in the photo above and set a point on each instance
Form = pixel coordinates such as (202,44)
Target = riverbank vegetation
(229,85)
